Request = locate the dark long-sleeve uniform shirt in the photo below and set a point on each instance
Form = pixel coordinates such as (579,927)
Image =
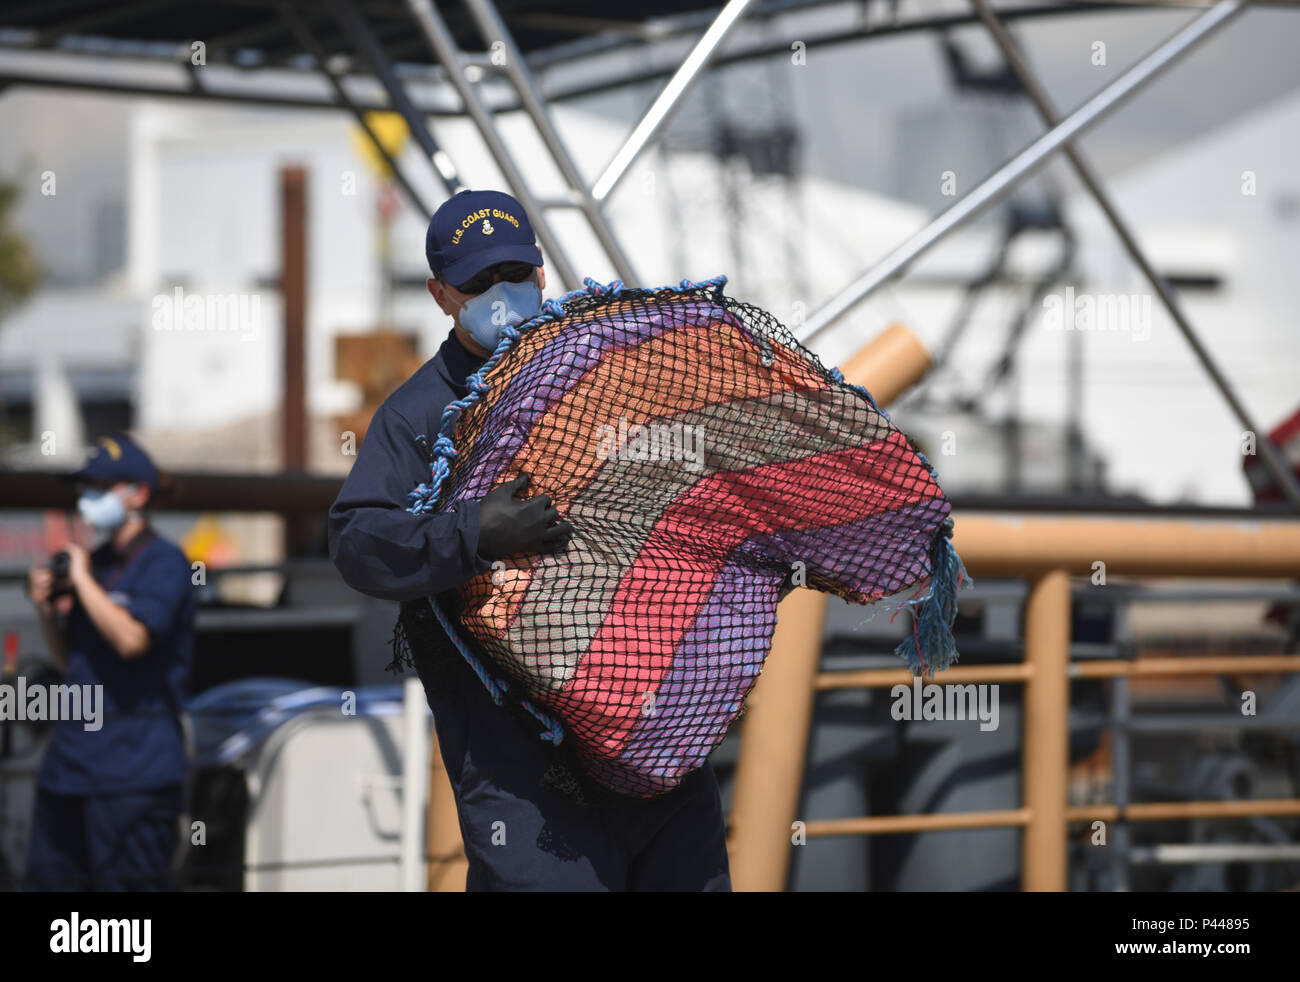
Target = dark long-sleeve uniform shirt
(379,547)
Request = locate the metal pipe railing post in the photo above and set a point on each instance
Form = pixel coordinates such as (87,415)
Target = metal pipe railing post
(1121,778)
(773,746)
(1045,737)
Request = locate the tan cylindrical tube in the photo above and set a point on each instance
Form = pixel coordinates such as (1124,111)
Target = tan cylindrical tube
(891,363)
(1046,734)
(1013,545)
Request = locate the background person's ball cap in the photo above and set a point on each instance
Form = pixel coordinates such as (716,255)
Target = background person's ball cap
(473,230)
(117,457)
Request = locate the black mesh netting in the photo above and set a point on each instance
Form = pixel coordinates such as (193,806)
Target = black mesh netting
(703,457)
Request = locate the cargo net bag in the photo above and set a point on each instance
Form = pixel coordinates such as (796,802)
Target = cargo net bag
(703,458)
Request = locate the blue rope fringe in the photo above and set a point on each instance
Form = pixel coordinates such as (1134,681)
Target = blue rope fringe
(931,647)
(552,728)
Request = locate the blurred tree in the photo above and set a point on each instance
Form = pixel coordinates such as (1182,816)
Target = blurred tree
(18,270)
(19,275)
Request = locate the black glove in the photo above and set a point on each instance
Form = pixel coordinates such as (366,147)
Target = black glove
(509,525)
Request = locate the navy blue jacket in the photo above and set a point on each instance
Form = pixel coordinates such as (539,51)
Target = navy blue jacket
(139,745)
(379,547)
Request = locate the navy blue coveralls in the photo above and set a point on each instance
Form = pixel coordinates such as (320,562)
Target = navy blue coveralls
(519,833)
(108,800)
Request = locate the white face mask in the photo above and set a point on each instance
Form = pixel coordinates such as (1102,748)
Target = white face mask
(103,509)
(502,305)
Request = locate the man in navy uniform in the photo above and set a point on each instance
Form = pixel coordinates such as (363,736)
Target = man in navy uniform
(487,272)
(109,794)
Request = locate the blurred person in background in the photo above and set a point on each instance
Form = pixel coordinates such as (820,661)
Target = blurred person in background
(108,799)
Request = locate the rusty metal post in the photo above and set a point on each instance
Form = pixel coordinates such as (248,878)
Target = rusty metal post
(774,730)
(1045,735)
(293,295)
(293,291)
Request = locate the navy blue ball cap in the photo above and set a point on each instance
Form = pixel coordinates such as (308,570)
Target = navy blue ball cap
(116,458)
(473,230)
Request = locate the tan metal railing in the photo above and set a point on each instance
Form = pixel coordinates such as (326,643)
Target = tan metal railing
(1047,550)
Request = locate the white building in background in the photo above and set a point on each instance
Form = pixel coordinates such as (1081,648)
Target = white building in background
(1226,205)
(203,217)
(203,222)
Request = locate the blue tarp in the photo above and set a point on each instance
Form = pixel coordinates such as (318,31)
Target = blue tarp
(232,719)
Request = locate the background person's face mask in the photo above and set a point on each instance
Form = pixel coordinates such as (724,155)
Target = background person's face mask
(502,305)
(102,509)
